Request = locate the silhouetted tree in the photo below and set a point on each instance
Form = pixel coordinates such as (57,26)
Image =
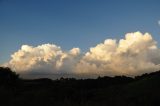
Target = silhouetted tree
(7,75)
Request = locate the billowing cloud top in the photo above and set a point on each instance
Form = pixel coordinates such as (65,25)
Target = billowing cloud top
(137,53)
(46,58)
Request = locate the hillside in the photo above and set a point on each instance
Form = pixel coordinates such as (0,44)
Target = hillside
(104,91)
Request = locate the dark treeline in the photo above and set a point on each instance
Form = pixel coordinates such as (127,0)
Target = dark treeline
(142,90)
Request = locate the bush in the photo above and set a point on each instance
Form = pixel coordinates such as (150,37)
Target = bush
(7,75)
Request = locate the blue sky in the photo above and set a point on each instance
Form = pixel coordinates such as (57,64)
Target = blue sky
(73,23)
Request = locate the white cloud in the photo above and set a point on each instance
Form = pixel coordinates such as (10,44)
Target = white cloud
(137,53)
(159,22)
(46,58)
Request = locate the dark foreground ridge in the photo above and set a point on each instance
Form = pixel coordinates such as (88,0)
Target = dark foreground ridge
(142,90)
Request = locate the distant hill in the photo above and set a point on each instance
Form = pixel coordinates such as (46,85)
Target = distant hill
(142,90)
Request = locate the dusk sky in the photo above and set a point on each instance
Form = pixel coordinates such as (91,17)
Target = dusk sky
(77,24)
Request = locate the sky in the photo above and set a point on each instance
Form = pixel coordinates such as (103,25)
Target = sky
(80,24)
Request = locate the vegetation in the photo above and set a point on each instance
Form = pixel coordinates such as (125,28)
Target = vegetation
(7,76)
(142,90)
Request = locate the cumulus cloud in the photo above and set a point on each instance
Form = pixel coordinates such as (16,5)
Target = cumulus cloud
(46,58)
(137,53)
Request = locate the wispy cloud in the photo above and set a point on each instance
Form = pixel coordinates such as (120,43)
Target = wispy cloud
(137,53)
(159,22)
